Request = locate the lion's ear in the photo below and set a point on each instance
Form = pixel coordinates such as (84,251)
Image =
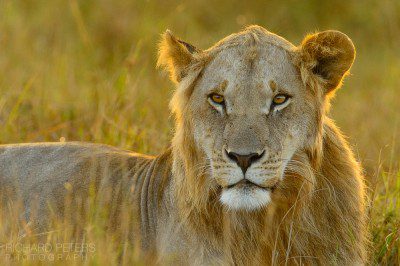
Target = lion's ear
(328,54)
(175,55)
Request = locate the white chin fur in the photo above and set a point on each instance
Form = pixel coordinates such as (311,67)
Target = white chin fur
(245,199)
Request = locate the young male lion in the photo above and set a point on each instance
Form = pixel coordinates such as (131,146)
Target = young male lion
(256,174)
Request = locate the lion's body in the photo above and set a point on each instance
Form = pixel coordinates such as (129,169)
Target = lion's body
(310,210)
(41,176)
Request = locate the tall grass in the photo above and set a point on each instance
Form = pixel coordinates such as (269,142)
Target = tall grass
(84,70)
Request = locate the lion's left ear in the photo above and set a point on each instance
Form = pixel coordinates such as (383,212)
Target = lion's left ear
(328,54)
(176,56)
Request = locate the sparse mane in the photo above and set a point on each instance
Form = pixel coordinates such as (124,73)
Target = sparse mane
(306,213)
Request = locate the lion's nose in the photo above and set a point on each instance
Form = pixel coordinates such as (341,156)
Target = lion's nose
(244,160)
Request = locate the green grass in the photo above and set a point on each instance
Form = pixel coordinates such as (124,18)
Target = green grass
(85,70)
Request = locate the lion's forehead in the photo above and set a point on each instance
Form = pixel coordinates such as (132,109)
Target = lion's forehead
(246,73)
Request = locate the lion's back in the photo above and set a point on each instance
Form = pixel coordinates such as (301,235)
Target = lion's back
(47,172)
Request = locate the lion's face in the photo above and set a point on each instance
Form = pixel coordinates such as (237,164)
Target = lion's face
(247,106)
(249,117)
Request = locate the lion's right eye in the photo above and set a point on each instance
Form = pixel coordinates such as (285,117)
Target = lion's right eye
(216,98)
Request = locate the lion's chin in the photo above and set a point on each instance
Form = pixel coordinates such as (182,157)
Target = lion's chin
(245,198)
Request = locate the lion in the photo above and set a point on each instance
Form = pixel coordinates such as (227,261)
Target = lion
(256,173)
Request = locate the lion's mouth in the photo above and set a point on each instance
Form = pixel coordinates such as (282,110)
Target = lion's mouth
(245,183)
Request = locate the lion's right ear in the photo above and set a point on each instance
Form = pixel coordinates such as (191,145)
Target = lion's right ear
(176,56)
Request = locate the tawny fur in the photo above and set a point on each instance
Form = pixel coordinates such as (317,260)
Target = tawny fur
(317,211)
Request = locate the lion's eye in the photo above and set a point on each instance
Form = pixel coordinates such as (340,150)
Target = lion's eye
(217,98)
(280,99)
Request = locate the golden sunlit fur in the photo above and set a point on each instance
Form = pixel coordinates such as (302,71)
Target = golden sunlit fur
(317,214)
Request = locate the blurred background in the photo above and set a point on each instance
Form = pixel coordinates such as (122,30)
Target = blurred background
(85,70)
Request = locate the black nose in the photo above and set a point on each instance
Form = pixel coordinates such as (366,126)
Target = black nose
(244,160)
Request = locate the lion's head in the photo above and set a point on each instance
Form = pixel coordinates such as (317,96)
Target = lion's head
(245,106)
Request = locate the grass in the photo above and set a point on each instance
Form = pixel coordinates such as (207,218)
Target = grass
(85,70)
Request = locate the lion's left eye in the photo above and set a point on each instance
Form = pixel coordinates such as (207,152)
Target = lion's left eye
(280,99)
(217,98)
